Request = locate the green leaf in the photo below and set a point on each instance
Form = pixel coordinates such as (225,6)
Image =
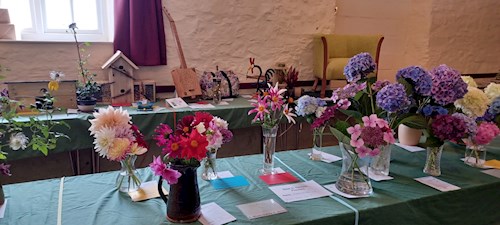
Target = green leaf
(414,121)
(352,113)
(341,137)
(432,142)
(407,85)
(2,156)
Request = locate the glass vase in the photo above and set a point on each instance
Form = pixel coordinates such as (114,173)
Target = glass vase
(475,155)
(352,180)
(381,163)
(209,165)
(433,161)
(317,143)
(268,148)
(128,179)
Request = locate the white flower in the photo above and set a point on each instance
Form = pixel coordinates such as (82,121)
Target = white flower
(320,111)
(56,75)
(104,140)
(135,149)
(200,128)
(109,117)
(492,91)
(18,141)
(288,114)
(469,81)
(220,123)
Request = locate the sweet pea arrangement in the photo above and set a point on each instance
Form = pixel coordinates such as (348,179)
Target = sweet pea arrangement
(194,138)
(117,139)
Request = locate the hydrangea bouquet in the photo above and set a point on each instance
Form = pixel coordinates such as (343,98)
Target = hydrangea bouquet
(117,139)
(194,138)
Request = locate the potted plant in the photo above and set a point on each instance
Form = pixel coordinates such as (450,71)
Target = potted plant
(87,89)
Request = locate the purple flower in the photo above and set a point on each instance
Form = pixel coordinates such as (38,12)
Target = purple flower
(227,135)
(348,91)
(447,85)
(5,169)
(379,85)
(359,67)
(448,127)
(470,124)
(418,77)
(160,169)
(392,98)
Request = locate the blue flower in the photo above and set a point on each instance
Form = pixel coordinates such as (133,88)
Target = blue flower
(427,110)
(392,98)
(359,67)
(307,105)
(494,108)
(440,110)
(418,77)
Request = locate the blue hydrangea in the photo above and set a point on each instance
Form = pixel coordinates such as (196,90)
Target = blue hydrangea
(307,105)
(359,67)
(447,85)
(494,108)
(392,98)
(418,77)
(429,110)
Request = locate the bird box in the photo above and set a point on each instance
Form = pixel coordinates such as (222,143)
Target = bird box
(121,78)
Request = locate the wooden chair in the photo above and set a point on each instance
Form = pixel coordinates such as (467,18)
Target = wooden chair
(333,51)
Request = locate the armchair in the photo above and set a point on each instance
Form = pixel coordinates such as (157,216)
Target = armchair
(333,51)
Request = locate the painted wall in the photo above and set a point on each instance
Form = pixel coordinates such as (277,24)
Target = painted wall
(215,32)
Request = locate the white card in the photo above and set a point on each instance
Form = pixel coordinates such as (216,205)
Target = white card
(410,148)
(201,106)
(229,99)
(224,174)
(300,191)
(2,208)
(437,183)
(376,177)
(278,170)
(252,100)
(213,214)
(148,190)
(473,160)
(492,172)
(326,157)
(223,103)
(246,96)
(334,189)
(261,208)
(176,103)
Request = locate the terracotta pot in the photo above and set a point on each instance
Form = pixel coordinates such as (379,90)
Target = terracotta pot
(408,136)
(183,201)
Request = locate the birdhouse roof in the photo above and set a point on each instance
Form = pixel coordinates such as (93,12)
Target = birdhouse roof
(118,54)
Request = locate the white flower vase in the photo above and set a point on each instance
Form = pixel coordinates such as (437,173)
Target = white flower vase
(409,136)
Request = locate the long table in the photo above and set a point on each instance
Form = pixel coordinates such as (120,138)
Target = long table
(235,113)
(92,199)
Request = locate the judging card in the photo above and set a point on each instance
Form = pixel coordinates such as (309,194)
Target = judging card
(213,214)
(300,191)
(147,190)
(230,182)
(176,103)
(278,178)
(437,184)
(261,208)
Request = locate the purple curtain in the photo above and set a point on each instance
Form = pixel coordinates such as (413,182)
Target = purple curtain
(139,31)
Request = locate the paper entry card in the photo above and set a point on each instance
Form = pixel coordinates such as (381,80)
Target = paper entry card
(261,208)
(300,191)
(437,183)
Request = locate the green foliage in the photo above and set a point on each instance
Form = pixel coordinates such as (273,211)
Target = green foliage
(340,132)
(416,121)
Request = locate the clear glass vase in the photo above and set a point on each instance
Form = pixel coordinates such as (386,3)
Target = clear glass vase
(317,143)
(381,163)
(268,148)
(210,165)
(475,155)
(433,161)
(352,180)
(128,179)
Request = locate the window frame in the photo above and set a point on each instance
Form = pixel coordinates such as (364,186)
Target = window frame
(40,32)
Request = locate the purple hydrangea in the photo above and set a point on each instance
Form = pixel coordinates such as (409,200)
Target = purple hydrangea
(378,85)
(470,124)
(348,91)
(447,127)
(418,77)
(447,85)
(430,110)
(359,67)
(392,98)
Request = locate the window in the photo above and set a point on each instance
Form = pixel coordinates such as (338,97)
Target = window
(48,20)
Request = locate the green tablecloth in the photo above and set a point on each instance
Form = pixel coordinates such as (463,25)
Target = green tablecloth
(235,113)
(92,199)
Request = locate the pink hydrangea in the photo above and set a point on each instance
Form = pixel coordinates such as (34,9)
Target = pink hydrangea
(368,139)
(486,132)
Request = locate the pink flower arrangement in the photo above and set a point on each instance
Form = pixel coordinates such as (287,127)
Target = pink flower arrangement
(368,139)
(115,135)
(189,143)
(270,108)
(486,132)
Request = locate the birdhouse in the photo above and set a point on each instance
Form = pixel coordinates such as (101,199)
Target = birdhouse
(121,78)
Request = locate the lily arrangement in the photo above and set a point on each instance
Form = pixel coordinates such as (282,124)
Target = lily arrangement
(270,108)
